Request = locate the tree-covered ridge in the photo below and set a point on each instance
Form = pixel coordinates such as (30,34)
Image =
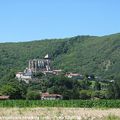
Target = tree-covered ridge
(82,54)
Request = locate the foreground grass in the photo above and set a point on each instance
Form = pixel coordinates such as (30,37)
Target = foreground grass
(62,103)
(59,113)
(111,117)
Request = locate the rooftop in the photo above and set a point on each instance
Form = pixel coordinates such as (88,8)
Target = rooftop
(50,95)
(4,97)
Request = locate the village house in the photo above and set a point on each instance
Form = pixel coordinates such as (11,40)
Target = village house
(74,75)
(57,72)
(4,97)
(47,96)
(24,76)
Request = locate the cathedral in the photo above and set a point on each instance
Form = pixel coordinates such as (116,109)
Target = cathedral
(35,65)
(40,64)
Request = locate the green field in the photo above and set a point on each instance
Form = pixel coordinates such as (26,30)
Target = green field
(62,103)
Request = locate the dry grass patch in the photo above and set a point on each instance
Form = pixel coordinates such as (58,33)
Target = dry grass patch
(56,113)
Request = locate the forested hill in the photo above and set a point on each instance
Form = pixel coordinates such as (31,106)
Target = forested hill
(82,54)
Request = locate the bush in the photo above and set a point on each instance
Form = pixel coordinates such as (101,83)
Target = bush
(13,90)
(85,94)
(95,94)
(33,95)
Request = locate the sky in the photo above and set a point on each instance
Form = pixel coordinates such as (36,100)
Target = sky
(26,20)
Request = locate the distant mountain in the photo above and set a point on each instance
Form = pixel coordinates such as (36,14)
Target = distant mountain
(82,54)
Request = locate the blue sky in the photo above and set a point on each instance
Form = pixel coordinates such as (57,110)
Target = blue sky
(24,20)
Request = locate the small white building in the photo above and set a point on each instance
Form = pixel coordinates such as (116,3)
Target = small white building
(24,76)
(19,75)
(57,72)
(74,75)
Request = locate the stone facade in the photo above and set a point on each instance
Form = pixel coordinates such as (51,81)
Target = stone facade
(40,64)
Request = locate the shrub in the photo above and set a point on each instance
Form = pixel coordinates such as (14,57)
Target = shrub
(33,95)
(85,94)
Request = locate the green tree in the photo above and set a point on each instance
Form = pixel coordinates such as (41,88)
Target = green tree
(110,94)
(85,94)
(13,91)
(97,85)
(33,95)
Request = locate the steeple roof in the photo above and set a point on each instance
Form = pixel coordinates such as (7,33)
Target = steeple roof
(47,56)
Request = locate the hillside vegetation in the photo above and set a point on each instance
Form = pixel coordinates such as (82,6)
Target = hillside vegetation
(82,54)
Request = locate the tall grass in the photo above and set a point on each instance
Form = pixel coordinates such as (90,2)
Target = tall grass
(61,103)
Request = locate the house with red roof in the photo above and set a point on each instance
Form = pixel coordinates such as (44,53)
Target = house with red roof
(47,96)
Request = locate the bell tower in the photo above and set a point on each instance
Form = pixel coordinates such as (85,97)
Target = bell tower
(47,60)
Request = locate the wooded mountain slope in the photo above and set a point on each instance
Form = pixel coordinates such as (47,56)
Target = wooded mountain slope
(82,54)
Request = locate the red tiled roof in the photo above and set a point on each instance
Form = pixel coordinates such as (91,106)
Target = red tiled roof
(4,97)
(50,95)
(72,74)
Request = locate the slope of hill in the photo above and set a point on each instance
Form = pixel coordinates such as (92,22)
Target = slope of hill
(83,54)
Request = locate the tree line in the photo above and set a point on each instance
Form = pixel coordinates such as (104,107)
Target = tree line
(67,87)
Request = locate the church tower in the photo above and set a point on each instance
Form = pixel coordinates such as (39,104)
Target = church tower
(47,59)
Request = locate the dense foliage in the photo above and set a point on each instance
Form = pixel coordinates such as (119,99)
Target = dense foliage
(59,84)
(89,55)
(82,54)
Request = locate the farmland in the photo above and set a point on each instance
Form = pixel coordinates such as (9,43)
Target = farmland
(61,103)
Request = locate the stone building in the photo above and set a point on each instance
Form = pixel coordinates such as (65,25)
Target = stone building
(40,64)
(37,65)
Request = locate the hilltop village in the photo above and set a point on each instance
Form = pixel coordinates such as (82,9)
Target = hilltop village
(42,66)
(37,66)
(81,67)
(56,87)
(41,81)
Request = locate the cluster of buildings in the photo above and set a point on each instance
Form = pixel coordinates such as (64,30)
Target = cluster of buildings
(44,96)
(37,65)
(44,66)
